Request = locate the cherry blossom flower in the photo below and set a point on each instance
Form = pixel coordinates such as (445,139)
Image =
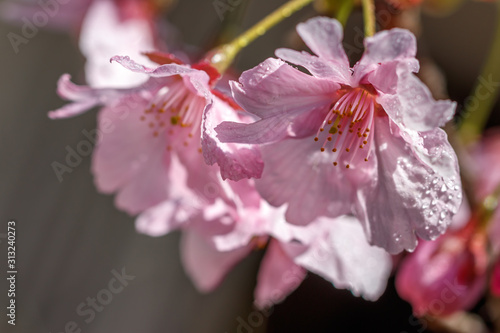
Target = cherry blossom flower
(450,274)
(150,135)
(150,154)
(364,139)
(446,275)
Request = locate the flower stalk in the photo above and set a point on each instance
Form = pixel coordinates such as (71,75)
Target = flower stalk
(344,11)
(369,17)
(224,55)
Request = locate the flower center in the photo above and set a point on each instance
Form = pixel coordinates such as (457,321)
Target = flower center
(176,111)
(350,122)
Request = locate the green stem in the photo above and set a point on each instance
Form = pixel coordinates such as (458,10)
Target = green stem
(369,17)
(344,11)
(224,55)
(485,92)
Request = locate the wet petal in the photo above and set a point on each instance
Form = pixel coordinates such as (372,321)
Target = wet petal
(389,45)
(418,175)
(412,104)
(324,37)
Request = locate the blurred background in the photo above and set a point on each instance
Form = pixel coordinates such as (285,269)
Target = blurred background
(71,240)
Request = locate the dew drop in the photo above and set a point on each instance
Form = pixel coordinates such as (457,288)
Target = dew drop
(397,237)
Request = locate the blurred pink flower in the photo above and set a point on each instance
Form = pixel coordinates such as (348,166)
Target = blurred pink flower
(149,151)
(399,174)
(116,27)
(446,275)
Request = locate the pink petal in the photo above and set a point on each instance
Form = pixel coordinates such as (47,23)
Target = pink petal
(204,264)
(324,37)
(297,173)
(316,66)
(136,166)
(341,254)
(418,175)
(441,277)
(203,179)
(160,71)
(159,220)
(85,98)
(278,276)
(181,206)
(260,221)
(461,217)
(268,130)
(275,88)
(195,80)
(412,104)
(236,161)
(73,109)
(281,107)
(389,45)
